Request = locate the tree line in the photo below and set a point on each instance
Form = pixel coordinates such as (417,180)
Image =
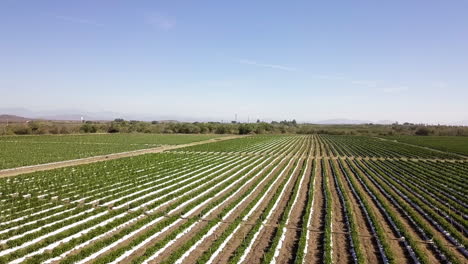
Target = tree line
(281,127)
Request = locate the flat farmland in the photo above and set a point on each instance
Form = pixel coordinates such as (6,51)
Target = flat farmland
(257,199)
(16,151)
(443,143)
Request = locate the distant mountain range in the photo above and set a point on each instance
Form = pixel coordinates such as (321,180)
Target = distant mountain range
(23,115)
(352,122)
(75,115)
(13,119)
(64,114)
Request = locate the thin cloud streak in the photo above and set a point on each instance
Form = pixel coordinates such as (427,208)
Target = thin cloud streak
(265,65)
(325,77)
(161,22)
(367,83)
(375,84)
(79,20)
(396,89)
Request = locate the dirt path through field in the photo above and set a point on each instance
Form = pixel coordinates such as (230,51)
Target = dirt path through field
(293,234)
(75,162)
(424,247)
(316,248)
(246,227)
(264,240)
(395,246)
(368,247)
(340,231)
(436,234)
(180,242)
(205,246)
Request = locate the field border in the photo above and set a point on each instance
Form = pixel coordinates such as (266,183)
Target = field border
(464,157)
(74,162)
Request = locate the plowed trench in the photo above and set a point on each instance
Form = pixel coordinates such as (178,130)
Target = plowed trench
(192,258)
(291,243)
(239,236)
(264,240)
(422,246)
(368,246)
(315,250)
(340,243)
(436,233)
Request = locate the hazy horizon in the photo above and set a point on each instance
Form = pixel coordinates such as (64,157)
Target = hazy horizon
(76,114)
(399,61)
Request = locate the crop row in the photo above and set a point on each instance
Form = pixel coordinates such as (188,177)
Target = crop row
(248,200)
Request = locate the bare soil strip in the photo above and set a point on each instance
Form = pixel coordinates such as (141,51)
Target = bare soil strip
(141,251)
(315,250)
(205,246)
(291,243)
(263,242)
(436,232)
(181,241)
(392,241)
(199,226)
(239,236)
(395,245)
(340,241)
(368,246)
(75,162)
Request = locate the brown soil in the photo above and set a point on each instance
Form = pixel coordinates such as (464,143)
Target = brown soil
(422,246)
(126,242)
(166,253)
(316,228)
(436,233)
(195,230)
(201,224)
(192,258)
(368,247)
(264,239)
(339,231)
(247,226)
(77,251)
(314,151)
(323,148)
(68,163)
(142,250)
(293,234)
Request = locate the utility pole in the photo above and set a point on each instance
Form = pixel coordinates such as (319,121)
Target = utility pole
(235,118)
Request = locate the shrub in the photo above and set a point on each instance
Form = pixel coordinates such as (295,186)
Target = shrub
(422,131)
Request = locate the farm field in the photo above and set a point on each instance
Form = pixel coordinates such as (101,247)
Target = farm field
(258,199)
(328,145)
(450,144)
(16,151)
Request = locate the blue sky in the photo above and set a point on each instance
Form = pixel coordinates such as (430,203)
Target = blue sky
(309,60)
